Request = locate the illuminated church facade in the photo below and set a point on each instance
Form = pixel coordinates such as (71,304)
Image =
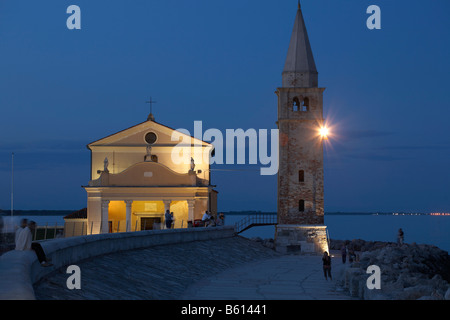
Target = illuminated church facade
(139,173)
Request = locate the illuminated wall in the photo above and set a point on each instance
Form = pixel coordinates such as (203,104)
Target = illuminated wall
(116,215)
(129,147)
(126,153)
(180,213)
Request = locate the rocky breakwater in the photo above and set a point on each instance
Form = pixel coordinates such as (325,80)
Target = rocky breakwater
(408,272)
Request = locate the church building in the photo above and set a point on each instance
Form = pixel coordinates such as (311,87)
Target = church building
(134,180)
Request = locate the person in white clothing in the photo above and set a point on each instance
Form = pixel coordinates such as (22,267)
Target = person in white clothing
(24,242)
(23,239)
(208,219)
(23,224)
(206,216)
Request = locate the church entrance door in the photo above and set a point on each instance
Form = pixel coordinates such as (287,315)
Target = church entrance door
(148,223)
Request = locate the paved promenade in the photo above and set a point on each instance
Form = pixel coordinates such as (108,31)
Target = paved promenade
(289,277)
(230,268)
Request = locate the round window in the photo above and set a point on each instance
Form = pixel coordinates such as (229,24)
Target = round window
(150,138)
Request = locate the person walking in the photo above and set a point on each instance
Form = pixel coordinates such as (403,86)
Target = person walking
(326,259)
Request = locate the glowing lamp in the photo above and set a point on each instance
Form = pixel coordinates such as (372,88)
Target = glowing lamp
(324,132)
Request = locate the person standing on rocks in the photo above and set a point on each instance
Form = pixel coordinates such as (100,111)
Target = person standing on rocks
(400,237)
(326,259)
(344,253)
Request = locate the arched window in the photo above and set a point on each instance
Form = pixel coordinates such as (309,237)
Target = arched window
(305,105)
(296,104)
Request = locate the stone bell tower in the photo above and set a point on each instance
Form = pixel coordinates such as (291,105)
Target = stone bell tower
(300,210)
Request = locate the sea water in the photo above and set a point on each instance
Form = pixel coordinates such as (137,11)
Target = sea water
(10,223)
(421,229)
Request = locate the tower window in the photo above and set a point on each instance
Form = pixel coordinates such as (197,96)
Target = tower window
(300,104)
(296,104)
(301,205)
(301,176)
(305,105)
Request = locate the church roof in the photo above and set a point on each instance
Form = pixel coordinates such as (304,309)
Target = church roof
(80,214)
(299,57)
(141,127)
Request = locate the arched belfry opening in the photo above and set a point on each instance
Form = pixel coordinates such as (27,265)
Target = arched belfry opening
(305,105)
(300,104)
(296,105)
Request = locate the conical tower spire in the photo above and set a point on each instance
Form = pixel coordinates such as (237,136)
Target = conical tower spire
(300,68)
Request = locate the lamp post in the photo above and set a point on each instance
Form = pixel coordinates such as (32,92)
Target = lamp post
(12,184)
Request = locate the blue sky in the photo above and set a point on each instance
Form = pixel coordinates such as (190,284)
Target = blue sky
(220,62)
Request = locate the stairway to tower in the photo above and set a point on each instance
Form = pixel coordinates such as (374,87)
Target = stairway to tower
(253,220)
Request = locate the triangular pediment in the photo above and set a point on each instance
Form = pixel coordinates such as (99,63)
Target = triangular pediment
(136,136)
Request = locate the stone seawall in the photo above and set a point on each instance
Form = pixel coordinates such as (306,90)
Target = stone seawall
(19,270)
(164,272)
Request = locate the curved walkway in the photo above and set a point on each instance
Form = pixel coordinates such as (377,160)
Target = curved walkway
(289,277)
(230,268)
(160,272)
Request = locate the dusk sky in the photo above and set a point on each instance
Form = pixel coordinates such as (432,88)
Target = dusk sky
(386,97)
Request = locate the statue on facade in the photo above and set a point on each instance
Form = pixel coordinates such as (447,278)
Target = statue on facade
(148,156)
(105,165)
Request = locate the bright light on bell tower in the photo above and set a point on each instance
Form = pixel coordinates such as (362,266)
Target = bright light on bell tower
(324,132)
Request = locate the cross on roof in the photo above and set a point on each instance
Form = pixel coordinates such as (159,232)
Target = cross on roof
(150,116)
(151,102)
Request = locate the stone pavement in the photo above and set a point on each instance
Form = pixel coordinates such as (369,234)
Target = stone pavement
(229,268)
(289,277)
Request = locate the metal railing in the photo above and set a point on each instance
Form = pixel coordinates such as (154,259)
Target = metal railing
(48,232)
(257,219)
(7,239)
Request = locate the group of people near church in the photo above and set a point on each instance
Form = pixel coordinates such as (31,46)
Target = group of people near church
(24,241)
(209,220)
